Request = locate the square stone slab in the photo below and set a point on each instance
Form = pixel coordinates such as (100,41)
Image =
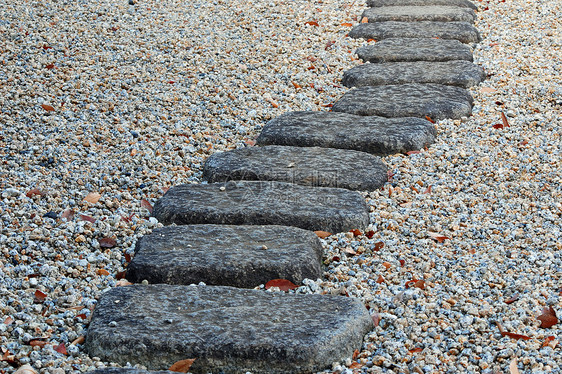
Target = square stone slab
(461,31)
(435,13)
(311,166)
(223,255)
(376,135)
(404,100)
(225,329)
(458,3)
(415,49)
(264,203)
(455,73)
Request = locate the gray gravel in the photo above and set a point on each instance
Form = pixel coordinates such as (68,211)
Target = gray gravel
(127,132)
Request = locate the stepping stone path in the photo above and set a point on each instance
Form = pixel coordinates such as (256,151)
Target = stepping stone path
(313,166)
(263,203)
(226,329)
(376,135)
(420,13)
(435,101)
(455,73)
(458,3)
(239,256)
(415,49)
(249,224)
(461,31)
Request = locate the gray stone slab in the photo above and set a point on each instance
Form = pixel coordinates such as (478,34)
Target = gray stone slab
(415,49)
(376,135)
(223,255)
(311,166)
(407,100)
(264,203)
(435,13)
(458,3)
(225,329)
(129,371)
(461,31)
(454,73)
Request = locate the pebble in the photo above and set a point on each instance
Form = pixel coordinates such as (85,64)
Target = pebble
(141,98)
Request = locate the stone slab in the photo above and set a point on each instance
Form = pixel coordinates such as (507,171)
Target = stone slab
(461,31)
(225,329)
(435,13)
(311,166)
(264,203)
(222,255)
(129,371)
(376,135)
(457,3)
(454,73)
(415,49)
(407,100)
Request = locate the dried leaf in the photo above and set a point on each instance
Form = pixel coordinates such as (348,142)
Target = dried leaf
(102,272)
(120,274)
(312,23)
(548,318)
(92,197)
(355,365)
(346,24)
(48,108)
(39,297)
(427,190)
(350,252)
(416,350)
(8,321)
(79,340)
(378,246)
(107,242)
(84,217)
(504,120)
(61,349)
(440,238)
(25,369)
(376,318)
(322,234)
(429,119)
(387,265)
(402,262)
(364,20)
(498,126)
(182,366)
(50,66)
(296,85)
(67,215)
(369,234)
(513,366)
(282,284)
(409,153)
(418,283)
(34,192)
(123,283)
(355,354)
(356,232)
(512,299)
(515,336)
(37,343)
(380,279)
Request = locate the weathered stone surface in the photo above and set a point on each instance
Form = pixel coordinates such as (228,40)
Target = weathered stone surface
(454,73)
(458,3)
(263,203)
(312,166)
(129,371)
(225,329)
(415,49)
(407,100)
(461,31)
(420,13)
(223,255)
(376,135)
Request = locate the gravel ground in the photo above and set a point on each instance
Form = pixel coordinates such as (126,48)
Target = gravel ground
(125,101)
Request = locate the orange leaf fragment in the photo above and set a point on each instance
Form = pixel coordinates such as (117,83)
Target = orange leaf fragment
(312,23)
(107,243)
(145,204)
(364,20)
(37,343)
(48,108)
(369,234)
(378,246)
(282,284)
(102,272)
(429,119)
(380,279)
(371,40)
(122,283)
(416,350)
(355,354)
(356,232)
(79,340)
(50,66)
(548,318)
(39,297)
(322,234)
(182,366)
(92,197)
(8,321)
(355,365)
(34,192)
(387,265)
(418,283)
(548,340)
(61,349)
(440,238)
(515,336)
(346,24)
(296,85)
(504,120)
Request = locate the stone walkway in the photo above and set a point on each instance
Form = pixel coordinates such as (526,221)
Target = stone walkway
(253,222)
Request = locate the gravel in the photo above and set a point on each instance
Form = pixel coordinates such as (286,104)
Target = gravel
(142,94)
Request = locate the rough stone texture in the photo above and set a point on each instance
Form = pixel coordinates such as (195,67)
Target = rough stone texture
(457,3)
(434,13)
(225,329)
(461,31)
(403,100)
(263,203)
(238,256)
(415,49)
(376,135)
(312,166)
(129,371)
(454,73)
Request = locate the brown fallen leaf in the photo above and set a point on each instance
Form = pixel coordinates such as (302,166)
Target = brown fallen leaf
(312,23)
(376,318)
(512,299)
(102,272)
(296,85)
(504,120)
(322,234)
(364,20)
(440,238)
(182,366)
(84,217)
(355,354)
(282,284)
(548,340)
(548,318)
(61,349)
(122,283)
(415,350)
(356,232)
(346,24)
(418,283)
(92,197)
(513,366)
(39,297)
(355,365)
(67,215)
(34,192)
(38,343)
(380,279)
(378,246)
(48,108)
(387,265)
(429,119)
(79,340)
(8,321)
(107,242)
(369,234)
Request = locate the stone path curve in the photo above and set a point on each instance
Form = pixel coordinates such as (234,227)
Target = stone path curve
(252,222)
